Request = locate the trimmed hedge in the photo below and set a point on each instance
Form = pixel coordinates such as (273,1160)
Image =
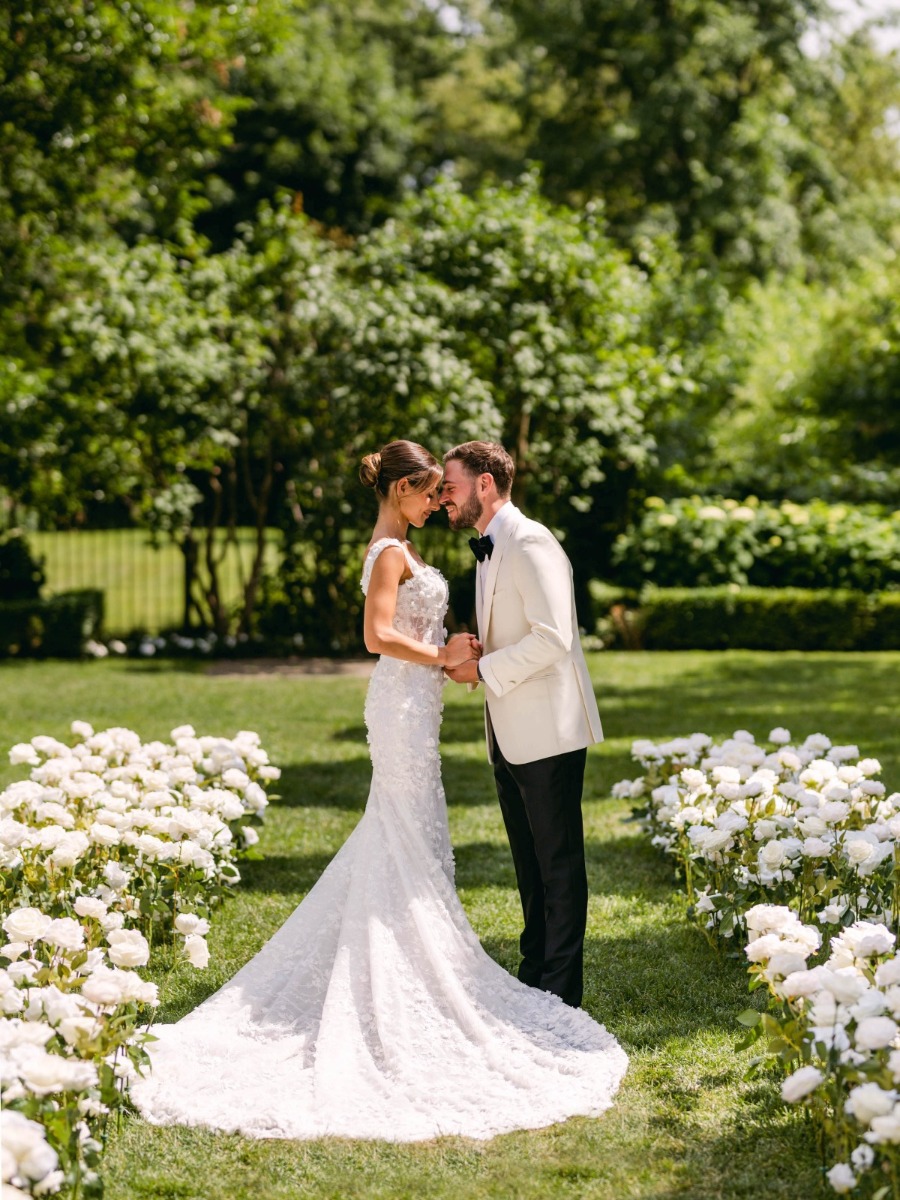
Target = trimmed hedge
(55,628)
(722,618)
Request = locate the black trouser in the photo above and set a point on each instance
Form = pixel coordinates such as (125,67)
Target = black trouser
(541,806)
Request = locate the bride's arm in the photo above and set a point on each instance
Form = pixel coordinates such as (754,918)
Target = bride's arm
(380,635)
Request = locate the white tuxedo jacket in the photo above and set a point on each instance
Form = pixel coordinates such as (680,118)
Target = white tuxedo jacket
(537,686)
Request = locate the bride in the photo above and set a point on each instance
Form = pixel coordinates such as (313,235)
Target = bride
(374,1011)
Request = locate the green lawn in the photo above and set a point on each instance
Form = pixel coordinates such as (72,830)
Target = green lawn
(142,583)
(687,1123)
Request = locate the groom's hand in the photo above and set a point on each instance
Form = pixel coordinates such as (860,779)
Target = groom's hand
(467,672)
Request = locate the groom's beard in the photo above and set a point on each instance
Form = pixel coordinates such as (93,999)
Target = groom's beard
(467,515)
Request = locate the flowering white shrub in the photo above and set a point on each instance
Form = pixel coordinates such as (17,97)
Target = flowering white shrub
(809,825)
(70,1039)
(796,847)
(835,1025)
(111,846)
(129,832)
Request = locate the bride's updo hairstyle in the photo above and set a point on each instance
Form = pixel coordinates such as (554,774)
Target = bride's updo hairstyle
(400,460)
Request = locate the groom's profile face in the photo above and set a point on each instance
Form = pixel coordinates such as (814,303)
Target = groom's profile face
(458,496)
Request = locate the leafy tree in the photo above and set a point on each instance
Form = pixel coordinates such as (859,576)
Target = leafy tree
(853,384)
(331,111)
(555,321)
(700,118)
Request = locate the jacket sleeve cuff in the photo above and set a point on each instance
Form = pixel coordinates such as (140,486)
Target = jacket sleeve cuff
(490,680)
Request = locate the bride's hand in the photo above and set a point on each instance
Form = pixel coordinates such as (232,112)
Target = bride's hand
(461,648)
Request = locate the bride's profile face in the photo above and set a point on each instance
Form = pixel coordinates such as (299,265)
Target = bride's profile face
(417,507)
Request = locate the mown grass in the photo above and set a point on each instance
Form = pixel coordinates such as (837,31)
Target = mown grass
(142,583)
(687,1122)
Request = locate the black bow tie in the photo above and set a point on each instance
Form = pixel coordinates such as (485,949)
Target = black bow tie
(482,547)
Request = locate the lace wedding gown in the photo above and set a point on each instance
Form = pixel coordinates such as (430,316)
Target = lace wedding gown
(374,1012)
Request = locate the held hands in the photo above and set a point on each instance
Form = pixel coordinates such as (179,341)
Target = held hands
(466,673)
(461,648)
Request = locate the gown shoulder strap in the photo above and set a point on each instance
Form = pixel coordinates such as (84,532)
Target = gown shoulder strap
(374,550)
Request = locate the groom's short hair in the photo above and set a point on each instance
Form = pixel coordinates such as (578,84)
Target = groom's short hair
(485,458)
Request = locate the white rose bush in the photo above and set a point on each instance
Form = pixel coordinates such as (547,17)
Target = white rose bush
(111,850)
(795,850)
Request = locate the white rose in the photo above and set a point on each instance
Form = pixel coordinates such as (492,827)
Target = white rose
(834,812)
(832,913)
(815,847)
(762,948)
(104,988)
(888,972)
(26,924)
(251,837)
(875,1033)
(871,1003)
(115,876)
(813,826)
(864,939)
(44,1073)
(803,983)
(73,1029)
(874,940)
(70,849)
(863,1157)
(858,850)
(90,906)
(871,787)
(772,855)
(82,729)
(867,1101)
(52,1003)
(128,948)
(25,1143)
(233,778)
(785,962)
(102,834)
(886,1128)
(13,833)
(842,1178)
(844,984)
(24,752)
(16,1032)
(765,828)
(800,1084)
(13,950)
(196,950)
(770,917)
(190,923)
(64,933)
(780,736)
(112,920)
(869,766)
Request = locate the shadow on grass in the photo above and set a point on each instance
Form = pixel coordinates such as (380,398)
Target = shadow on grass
(460,723)
(718,692)
(345,784)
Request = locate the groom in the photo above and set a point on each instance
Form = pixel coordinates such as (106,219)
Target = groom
(540,712)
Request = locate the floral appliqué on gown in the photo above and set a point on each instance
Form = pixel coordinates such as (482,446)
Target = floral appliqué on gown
(374,1011)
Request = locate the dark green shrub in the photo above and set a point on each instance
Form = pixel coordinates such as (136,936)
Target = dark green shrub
(21,574)
(753,618)
(884,633)
(58,627)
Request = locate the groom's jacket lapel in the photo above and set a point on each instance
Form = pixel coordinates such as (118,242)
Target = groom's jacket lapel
(490,582)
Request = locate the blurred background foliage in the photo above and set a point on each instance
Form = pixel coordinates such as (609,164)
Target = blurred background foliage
(652,246)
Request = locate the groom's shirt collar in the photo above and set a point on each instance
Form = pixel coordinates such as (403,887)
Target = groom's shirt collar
(503,514)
